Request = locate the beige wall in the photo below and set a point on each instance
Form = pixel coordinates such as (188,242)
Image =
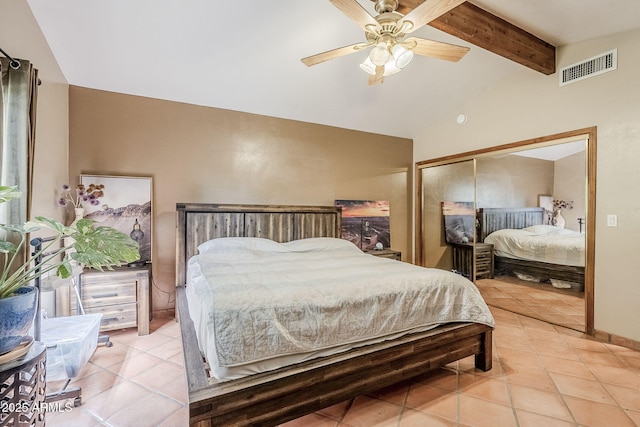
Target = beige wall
(511,181)
(529,105)
(199,154)
(569,184)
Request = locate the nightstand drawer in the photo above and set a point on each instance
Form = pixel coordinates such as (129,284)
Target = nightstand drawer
(108,294)
(483,255)
(116,316)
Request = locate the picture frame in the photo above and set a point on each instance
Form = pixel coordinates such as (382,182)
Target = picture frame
(366,223)
(546,201)
(125,206)
(459,222)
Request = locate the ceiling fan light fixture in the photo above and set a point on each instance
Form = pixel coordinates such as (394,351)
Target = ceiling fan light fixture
(389,51)
(379,55)
(391,68)
(402,55)
(368,67)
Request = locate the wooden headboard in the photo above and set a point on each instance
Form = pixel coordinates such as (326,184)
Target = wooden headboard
(198,222)
(492,219)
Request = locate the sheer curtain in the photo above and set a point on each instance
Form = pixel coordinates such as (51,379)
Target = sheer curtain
(19,87)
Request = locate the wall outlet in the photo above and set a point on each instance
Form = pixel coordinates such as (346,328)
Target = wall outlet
(612,220)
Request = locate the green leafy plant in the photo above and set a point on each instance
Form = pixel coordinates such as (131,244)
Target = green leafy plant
(85,243)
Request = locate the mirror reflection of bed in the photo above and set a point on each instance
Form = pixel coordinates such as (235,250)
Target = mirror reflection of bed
(538,267)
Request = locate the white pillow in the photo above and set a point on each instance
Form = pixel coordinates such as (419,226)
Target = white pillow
(319,244)
(540,229)
(240,244)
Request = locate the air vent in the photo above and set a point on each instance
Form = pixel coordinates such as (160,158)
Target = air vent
(591,67)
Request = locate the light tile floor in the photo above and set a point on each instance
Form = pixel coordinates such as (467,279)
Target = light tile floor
(538,300)
(543,375)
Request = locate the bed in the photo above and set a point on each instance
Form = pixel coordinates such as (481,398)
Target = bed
(281,394)
(525,246)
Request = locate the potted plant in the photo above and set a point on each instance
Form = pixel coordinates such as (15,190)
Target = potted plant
(83,243)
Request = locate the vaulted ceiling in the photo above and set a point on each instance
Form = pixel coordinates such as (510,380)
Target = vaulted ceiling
(245,56)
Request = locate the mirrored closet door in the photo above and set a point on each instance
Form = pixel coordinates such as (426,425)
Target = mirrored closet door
(447,212)
(537,191)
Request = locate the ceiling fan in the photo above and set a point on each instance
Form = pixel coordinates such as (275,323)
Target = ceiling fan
(386,33)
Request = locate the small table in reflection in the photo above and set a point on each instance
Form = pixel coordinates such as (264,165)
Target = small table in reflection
(463,258)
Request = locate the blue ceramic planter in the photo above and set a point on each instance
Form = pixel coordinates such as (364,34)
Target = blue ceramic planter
(16,315)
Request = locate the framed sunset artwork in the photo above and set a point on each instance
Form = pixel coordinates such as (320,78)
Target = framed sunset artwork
(365,223)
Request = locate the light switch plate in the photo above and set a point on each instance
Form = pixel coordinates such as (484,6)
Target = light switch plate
(612,220)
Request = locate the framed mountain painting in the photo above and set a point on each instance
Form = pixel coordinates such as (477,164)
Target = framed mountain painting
(125,206)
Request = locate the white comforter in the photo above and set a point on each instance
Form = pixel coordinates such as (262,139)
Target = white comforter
(544,243)
(254,299)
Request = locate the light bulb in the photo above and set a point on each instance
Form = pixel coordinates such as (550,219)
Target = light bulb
(401,55)
(368,67)
(390,68)
(379,54)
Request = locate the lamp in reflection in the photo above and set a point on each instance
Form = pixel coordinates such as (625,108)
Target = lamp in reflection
(137,235)
(364,233)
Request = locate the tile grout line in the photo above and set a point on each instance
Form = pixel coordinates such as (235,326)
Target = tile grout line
(513,406)
(129,380)
(599,382)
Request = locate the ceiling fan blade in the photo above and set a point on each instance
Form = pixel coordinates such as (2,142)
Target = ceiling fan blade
(335,53)
(427,12)
(378,77)
(353,10)
(434,49)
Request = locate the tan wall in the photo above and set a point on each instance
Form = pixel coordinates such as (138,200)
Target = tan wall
(512,181)
(569,184)
(199,154)
(529,105)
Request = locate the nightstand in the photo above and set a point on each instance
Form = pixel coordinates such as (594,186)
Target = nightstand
(122,295)
(385,253)
(463,259)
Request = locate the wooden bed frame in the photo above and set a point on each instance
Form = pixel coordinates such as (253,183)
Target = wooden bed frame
(492,219)
(274,397)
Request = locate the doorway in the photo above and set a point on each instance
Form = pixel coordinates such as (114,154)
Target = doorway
(503,176)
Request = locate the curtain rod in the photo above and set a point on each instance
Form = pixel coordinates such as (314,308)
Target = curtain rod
(12,62)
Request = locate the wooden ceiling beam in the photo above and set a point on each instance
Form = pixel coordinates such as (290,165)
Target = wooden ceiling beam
(483,29)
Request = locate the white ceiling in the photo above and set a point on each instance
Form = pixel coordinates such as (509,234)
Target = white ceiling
(245,56)
(554,152)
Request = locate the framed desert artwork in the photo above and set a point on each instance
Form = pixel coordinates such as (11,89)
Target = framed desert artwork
(125,206)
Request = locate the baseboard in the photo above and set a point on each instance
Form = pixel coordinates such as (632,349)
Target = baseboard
(617,340)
